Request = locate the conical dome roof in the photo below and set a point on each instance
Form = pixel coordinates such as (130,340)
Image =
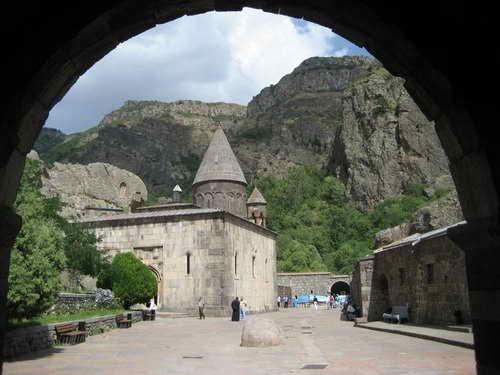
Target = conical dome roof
(256,197)
(219,162)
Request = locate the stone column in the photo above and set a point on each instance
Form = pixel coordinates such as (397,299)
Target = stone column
(480,239)
(10,224)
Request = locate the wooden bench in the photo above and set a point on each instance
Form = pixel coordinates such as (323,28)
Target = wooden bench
(124,321)
(71,333)
(398,315)
(148,314)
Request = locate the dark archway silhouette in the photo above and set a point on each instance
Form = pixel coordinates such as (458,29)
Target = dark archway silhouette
(49,45)
(340,287)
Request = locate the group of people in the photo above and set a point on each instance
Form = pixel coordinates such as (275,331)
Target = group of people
(240,309)
(333,300)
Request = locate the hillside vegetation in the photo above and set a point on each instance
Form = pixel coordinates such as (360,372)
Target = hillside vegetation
(320,228)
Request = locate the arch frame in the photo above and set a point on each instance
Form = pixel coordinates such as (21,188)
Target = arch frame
(56,56)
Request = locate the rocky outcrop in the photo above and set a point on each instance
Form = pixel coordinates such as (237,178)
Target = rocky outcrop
(92,190)
(295,121)
(390,235)
(261,332)
(385,144)
(440,213)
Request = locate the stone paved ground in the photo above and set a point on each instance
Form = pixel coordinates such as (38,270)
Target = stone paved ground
(312,337)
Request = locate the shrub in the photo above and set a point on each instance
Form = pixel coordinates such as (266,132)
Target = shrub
(132,281)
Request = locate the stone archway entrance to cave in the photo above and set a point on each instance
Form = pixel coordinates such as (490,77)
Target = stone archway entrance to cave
(340,287)
(159,286)
(96,31)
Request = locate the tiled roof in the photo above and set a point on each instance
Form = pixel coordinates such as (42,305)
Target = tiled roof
(219,162)
(256,197)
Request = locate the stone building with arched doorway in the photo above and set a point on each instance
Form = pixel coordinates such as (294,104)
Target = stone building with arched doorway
(213,248)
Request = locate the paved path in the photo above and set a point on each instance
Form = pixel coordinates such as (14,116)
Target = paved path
(464,339)
(174,347)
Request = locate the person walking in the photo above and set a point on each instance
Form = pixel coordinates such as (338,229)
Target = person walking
(235,305)
(201,307)
(315,302)
(278,300)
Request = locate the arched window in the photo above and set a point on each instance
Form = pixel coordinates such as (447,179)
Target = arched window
(253,266)
(236,264)
(266,271)
(123,190)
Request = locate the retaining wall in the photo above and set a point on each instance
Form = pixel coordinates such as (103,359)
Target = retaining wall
(31,339)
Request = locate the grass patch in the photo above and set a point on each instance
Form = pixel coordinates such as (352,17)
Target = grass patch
(59,318)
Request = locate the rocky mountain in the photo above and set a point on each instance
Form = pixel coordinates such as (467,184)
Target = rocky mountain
(161,142)
(346,114)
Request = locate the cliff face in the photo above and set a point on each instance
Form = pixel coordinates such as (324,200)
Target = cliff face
(384,144)
(347,114)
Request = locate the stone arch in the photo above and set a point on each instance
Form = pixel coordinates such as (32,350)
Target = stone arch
(199,200)
(123,190)
(340,287)
(209,199)
(159,281)
(60,53)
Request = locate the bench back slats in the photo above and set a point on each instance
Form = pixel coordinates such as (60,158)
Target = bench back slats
(65,328)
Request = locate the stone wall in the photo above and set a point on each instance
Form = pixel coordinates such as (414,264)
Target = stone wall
(429,276)
(31,339)
(250,265)
(303,282)
(72,302)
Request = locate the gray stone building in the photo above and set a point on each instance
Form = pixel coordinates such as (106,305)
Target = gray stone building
(426,272)
(208,248)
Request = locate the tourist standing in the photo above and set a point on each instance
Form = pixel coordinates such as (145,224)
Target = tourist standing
(201,307)
(315,302)
(235,305)
(278,300)
(243,309)
(285,301)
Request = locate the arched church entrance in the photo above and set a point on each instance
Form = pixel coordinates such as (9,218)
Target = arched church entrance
(340,287)
(159,286)
(60,52)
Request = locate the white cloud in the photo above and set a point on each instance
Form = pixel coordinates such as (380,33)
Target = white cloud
(227,56)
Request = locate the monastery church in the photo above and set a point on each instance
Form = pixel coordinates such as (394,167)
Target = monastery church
(217,247)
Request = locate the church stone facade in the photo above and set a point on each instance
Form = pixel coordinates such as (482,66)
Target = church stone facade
(215,248)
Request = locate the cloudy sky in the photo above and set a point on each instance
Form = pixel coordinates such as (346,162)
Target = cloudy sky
(227,57)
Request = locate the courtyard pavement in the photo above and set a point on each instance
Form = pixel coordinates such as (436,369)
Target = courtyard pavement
(211,346)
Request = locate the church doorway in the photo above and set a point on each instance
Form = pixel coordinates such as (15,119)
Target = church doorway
(340,287)
(159,286)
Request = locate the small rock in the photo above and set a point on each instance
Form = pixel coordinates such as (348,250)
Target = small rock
(261,332)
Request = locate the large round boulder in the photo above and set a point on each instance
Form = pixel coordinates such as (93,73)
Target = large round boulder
(259,331)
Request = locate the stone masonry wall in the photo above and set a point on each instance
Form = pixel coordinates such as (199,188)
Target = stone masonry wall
(250,265)
(31,339)
(72,302)
(429,277)
(303,283)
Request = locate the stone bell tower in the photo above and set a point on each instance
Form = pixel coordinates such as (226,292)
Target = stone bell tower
(257,208)
(219,182)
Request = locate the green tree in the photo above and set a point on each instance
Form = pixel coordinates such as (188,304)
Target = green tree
(132,281)
(37,257)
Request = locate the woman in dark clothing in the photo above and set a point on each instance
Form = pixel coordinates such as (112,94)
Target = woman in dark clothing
(235,305)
